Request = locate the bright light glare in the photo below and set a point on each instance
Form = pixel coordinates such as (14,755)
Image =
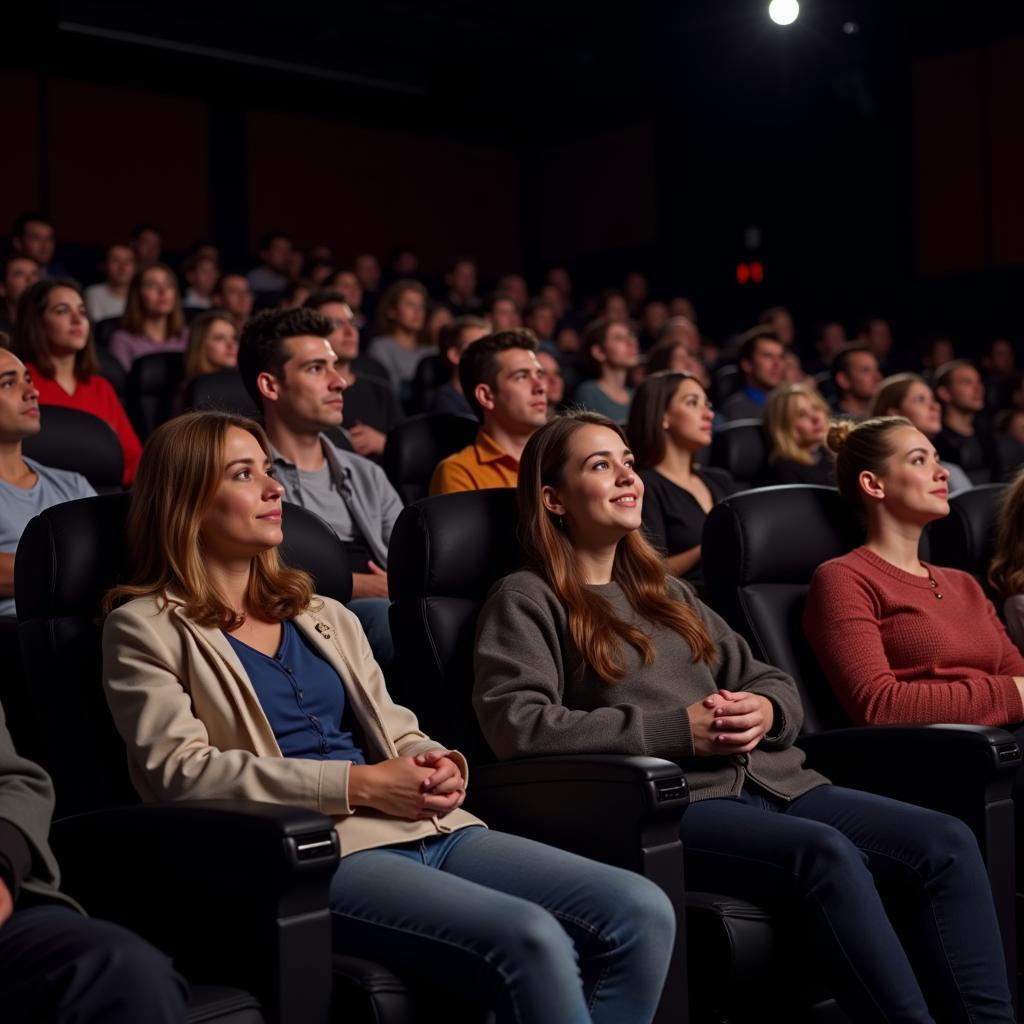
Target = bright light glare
(784,12)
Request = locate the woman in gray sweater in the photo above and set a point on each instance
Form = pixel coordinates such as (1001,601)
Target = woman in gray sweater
(594,649)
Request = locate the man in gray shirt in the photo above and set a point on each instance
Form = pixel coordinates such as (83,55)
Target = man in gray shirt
(26,488)
(291,371)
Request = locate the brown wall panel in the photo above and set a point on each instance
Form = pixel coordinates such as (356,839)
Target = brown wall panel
(357,189)
(20,160)
(598,194)
(118,158)
(948,147)
(1006,100)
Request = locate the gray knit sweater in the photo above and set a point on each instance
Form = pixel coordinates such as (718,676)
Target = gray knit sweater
(530,701)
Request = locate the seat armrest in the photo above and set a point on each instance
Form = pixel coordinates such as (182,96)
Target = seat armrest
(933,765)
(235,892)
(610,807)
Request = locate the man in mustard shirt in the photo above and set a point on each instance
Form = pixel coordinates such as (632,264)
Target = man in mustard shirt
(504,384)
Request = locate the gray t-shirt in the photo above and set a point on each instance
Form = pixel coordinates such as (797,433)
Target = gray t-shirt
(400,362)
(18,506)
(320,495)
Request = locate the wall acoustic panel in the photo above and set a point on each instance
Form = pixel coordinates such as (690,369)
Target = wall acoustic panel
(119,158)
(358,189)
(949,164)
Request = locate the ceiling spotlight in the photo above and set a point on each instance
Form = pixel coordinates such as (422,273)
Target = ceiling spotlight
(784,12)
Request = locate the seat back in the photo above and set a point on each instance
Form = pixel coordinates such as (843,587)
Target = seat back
(417,445)
(966,538)
(103,330)
(431,373)
(741,448)
(759,551)
(446,553)
(113,372)
(223,391)
(725,381)
(78,441)
(153,385)
(68,558)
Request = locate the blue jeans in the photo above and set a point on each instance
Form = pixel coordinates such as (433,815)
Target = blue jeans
(540,935)
(372,613)
(824,856)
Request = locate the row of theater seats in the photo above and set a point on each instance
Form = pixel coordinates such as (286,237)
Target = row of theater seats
(256,876)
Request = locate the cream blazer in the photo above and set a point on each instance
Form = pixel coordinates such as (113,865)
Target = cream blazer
(195,730)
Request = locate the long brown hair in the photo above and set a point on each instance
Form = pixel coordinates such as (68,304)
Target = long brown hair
(647,415)
(1006,574)
(595,629)
(196,361)
(179,472)
(388,308)
(32,341)
(133,320)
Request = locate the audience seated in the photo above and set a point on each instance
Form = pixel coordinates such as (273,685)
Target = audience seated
(501,312)
(367,270)
(148,243)
(554,381)
(55,341)
(153,319)
(670,422)
(830,342)
(370,409)
(291,372)
(611,349)
(106,300)
(26,488)
(855,379)
(346,283)
(456,337)
(592,649)
(876,336)
(58,966)
(212,345)
(780,320)
(504,385)
(796,421)
(400,321)
(898,639)
(20,273)
(516,288)
(999,364)
(536,933)
(233,295)
(33,236)
(963,438)
(542,318)
(907,394)
(761,363)
(201,273)
(272,275)
(1006,573)
(461,280)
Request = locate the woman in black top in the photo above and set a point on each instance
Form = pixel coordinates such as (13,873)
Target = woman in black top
(796,421)
(670,421)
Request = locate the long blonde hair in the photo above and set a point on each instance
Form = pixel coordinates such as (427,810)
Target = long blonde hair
(597,632)
(1006,574)
(779,414)
(178,475)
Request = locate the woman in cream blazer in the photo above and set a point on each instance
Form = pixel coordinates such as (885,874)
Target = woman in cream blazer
(228,678)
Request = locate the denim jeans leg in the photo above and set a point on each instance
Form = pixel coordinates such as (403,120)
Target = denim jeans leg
(932,862)
(372,613)
(622,925)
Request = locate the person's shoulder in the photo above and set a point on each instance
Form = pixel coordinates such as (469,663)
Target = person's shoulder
(65,481)
(150,613)
(524,583)
(721,477)
(843,568)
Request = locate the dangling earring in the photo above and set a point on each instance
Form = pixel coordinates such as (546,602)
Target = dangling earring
(560,522)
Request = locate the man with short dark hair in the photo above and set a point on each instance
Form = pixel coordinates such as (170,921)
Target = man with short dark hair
(504,385)
(456,337)
(19,274)
(855,377)
(612,350)
(272,275)
(371,409)
(292,372)
(963,439)
(762,364)
(32,235)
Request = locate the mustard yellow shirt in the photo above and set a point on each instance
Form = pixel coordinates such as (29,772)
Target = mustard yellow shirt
(478,466)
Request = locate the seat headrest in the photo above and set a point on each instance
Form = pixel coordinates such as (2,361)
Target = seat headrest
(454,545)
(740,447)
(965,539)
(776,535)
(71,554)
(78,441)
(157,372)
(415,446)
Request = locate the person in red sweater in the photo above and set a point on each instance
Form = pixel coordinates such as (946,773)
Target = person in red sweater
(54,339)
(898,639)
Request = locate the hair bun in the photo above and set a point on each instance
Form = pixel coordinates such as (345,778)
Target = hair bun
(838,434)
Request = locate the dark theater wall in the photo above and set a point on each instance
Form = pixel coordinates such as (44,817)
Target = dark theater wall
(21,171)
(1006,96)
(357,189)
(119,157)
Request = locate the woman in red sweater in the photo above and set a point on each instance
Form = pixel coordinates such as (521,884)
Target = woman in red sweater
(54,339)
(898,639)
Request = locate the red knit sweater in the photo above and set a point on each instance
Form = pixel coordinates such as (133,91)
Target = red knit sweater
(893,652)
(97,397)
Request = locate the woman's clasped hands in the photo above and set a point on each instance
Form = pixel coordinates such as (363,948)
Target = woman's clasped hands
(412,788)
(729,722)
